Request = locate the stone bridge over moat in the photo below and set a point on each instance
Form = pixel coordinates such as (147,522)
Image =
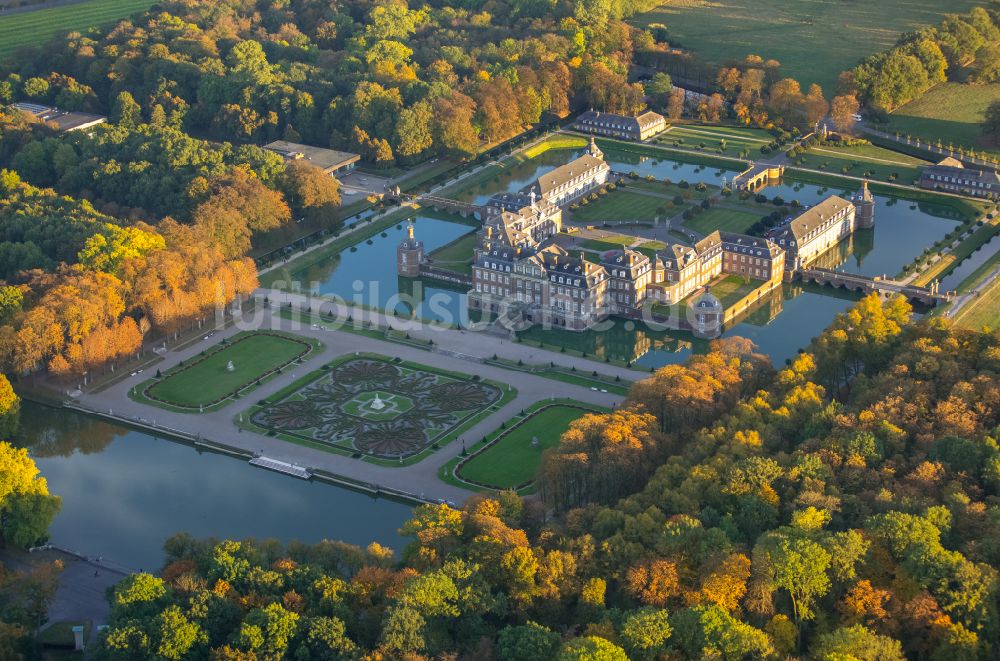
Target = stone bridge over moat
(884,286)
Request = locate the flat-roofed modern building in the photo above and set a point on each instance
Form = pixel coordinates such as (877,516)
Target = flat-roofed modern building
(635,127)
(952,176)
(329,161)
(62,121)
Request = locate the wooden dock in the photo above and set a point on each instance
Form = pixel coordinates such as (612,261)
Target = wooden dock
(281,467)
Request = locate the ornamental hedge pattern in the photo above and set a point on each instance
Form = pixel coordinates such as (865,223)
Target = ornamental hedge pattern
(326,409)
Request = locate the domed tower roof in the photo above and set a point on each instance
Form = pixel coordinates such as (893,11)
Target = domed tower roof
(706,302)
(594,150)
(864,193)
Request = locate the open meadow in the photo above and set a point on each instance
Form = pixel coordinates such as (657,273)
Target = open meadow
(724,220)
(863,161)
(814,41)
(951,113)
(33,28)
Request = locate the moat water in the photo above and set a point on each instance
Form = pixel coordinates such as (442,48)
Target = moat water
(124,492)
(367,274)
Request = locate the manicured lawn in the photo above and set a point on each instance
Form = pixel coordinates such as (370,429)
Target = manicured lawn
(512,461)
(620,205)
(724,220)
(734,138)
(492,174)
(814,41)
(555,142)
(951,113)
(206,381)
(616,241)
(33,28)
(732,288)
(668,191)
(982,311)
(973,278)
(864,160)
(457,255)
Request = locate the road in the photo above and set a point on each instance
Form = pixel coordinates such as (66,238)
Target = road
(83,583)
(964,299)
(943,152)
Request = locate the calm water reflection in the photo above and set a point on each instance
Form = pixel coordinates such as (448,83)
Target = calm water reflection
(779,327)
(124,492)
(367,274)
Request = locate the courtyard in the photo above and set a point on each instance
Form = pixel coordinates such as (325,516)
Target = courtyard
(377,407)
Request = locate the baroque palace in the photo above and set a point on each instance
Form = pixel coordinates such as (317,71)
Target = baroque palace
(521,275)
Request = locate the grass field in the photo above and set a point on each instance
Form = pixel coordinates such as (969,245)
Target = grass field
(513,461)
(457,255)
(724,220)
(734,138)
(207,381)
(732,288)
(616,241)
(951,113)
(864,160)
(34,28)
(814,41)
(983,311)
(620,205)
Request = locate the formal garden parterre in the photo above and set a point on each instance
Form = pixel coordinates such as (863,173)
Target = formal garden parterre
(374,407)
(206,382)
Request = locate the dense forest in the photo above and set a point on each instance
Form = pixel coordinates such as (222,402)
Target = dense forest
(384,78)
(842,507)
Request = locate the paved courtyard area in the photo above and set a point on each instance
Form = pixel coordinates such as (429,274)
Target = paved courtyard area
(454,351)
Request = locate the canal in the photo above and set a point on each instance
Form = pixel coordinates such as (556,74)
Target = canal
(124,492)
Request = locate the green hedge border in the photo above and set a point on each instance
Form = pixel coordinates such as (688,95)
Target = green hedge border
(450,471)
(141,392)
(507,394)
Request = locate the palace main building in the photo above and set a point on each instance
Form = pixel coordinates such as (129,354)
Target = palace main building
(521,274)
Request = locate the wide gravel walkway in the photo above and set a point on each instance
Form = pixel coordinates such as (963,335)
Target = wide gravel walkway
(455,350)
